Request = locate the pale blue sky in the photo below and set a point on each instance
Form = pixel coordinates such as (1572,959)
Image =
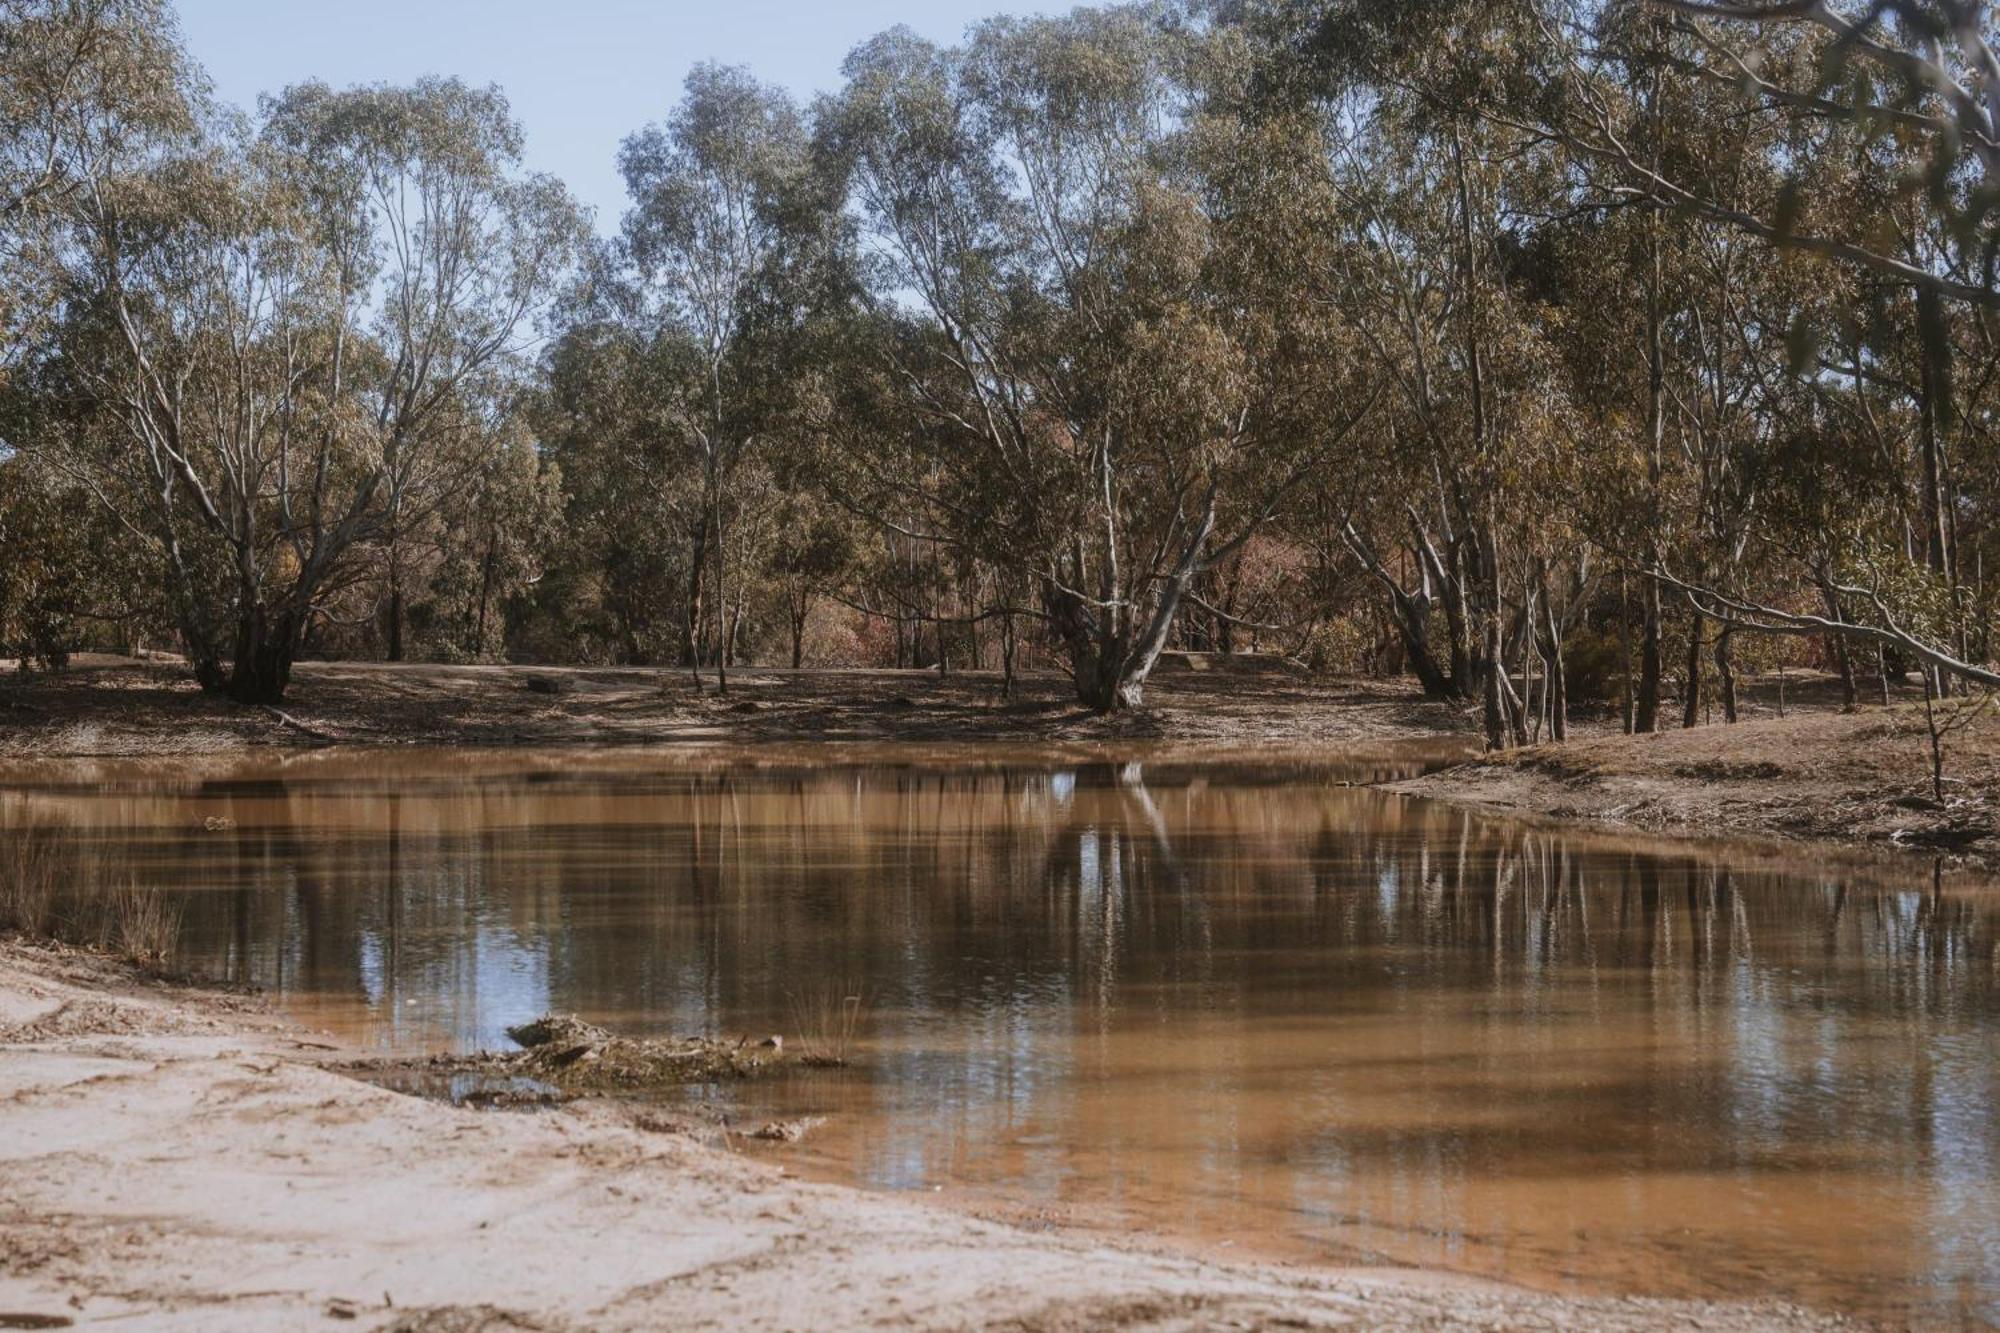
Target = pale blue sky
(581,74)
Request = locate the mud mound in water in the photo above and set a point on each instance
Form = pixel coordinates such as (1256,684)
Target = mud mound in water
(570,1056)
(571,1053)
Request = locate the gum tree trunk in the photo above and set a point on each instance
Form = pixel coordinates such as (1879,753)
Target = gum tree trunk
(1725,673)
(1691,705)
(267,644)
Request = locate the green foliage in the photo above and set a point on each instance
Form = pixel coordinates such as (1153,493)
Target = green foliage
(1402,329)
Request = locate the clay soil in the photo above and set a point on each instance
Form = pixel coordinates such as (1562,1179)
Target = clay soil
(179,1158)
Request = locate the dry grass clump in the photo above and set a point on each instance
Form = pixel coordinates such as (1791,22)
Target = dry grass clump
(31,857)
(51,890)
(145,928)
(826,1019)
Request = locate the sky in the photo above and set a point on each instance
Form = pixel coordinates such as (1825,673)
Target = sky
(581,74)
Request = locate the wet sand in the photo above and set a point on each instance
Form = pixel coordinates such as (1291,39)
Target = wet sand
(174,1158)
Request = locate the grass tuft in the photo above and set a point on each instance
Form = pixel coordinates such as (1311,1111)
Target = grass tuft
(31,857)
(827,1019)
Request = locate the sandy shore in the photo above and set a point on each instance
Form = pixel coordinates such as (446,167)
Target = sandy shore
(174,1158)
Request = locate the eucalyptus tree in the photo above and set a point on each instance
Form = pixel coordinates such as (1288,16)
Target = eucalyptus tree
(1921,77)
(1084,394)
(1878,129)
(82,82)
(722,208)
(290,330)
(632,508)
(1435,217)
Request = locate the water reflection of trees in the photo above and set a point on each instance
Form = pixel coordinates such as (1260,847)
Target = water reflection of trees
(695,896)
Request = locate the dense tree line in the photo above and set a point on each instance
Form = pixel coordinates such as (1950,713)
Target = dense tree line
(1542,349)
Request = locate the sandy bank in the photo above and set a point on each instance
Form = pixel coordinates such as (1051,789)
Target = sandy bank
(179,1159)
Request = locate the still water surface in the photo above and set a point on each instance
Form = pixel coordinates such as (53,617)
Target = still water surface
(1242,1002)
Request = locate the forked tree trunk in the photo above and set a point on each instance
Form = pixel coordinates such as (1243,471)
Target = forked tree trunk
(1725,672)
(266,647)
(1109,669)
(1558,674)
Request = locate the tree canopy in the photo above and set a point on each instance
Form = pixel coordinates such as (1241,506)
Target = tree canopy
(1547,350)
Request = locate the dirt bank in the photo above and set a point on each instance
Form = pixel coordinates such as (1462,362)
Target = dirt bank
(180,1159)
(118,707)
(1859,780)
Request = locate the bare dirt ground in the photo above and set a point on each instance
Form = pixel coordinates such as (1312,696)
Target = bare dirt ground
(111,706)
(1861,780)
(175,1158)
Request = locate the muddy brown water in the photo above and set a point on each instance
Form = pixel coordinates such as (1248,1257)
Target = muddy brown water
(1245,1003)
